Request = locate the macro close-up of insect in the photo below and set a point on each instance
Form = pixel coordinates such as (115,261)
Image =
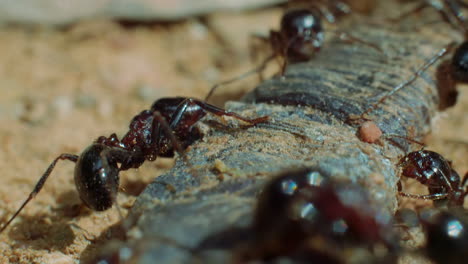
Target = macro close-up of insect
(363,117)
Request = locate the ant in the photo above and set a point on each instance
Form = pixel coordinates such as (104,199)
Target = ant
(441,53)
(300,37)
(167,126)
(305,216)
(433,170)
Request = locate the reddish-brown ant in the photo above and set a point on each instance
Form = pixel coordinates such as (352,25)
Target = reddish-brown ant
(300,36)
(433,170)
(168,125)
(331,10)
(300,218)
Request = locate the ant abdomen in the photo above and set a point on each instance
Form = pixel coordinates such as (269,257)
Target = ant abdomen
(97,178)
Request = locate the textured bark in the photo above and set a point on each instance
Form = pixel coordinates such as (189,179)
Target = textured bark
(313,99)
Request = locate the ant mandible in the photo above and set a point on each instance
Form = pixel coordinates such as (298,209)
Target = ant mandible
(167,126)
(433,170)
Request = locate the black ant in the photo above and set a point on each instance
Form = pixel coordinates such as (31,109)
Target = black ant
(433,170)
(167,126)
(301,35)
(299,38)
(299,217)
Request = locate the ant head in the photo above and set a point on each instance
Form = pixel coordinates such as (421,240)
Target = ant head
(460,62)
(303,31)
(97,177)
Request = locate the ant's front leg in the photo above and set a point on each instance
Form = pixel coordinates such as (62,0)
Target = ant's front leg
(208,108)
(40,184)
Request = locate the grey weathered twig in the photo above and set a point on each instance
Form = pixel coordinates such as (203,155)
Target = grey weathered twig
(314,98)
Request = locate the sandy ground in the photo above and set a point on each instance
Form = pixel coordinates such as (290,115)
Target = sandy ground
(62,88)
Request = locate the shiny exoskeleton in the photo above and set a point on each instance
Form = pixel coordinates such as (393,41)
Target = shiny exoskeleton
(167,126)
(300,36)
(434,171)
(331,10)
(447,237)
(299,219)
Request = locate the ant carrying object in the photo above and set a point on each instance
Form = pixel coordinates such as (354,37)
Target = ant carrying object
(167,126)
(304,216)
(300,36)
(434,171)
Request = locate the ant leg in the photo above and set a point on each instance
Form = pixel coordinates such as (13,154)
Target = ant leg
(436,196)
(221,112)
(348,38)
(411,80)
(168,130)
(258,69)
(159,122)
(40,184)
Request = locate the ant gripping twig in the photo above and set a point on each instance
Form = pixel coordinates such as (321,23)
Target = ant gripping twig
(167,126)
(433,170)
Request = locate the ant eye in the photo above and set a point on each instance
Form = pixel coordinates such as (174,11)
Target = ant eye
(96,179)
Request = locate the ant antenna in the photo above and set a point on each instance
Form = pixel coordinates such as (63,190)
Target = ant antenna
(40,184)
(413,78)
